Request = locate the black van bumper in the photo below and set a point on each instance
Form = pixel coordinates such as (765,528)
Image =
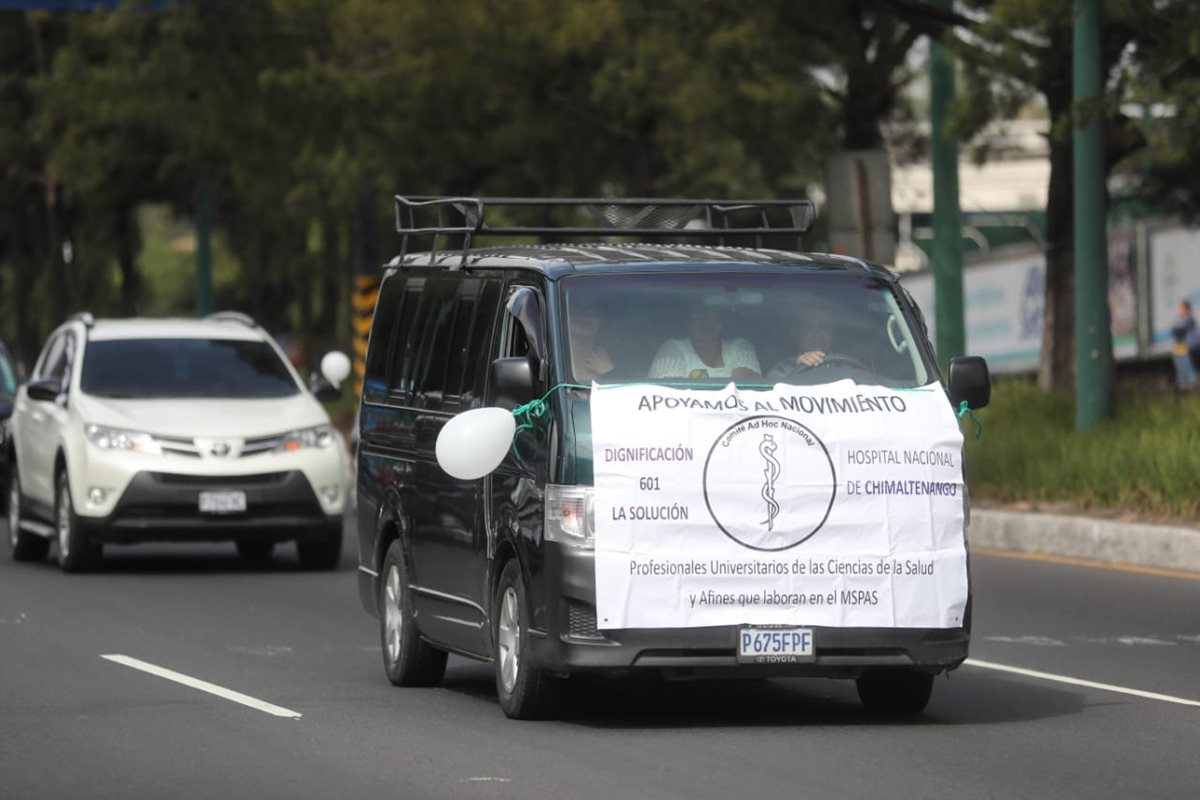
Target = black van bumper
(570,641)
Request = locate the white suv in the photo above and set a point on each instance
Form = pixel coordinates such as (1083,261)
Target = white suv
(138,430)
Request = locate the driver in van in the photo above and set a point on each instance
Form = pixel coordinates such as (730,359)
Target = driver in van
(704,353)
(812,334)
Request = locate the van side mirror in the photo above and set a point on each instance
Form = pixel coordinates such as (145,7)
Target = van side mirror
(47,389)
(969,380)
(510,382)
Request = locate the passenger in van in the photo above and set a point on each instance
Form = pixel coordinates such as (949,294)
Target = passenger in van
(704,353)
(589,361)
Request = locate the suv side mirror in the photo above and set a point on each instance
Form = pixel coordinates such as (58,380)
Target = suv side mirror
(325,391)
(510,382)
(47,389)
(969,380)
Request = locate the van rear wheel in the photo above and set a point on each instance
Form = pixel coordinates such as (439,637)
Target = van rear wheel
(407,659)
(894,692)
(525,692)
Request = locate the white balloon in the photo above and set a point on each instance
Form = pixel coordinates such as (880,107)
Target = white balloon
(473,443)
(335,366)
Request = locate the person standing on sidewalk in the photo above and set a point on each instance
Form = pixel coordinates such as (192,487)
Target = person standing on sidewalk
(1183,334)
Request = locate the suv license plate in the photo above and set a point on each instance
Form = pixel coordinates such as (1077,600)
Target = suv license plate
(222,502)
(775,645)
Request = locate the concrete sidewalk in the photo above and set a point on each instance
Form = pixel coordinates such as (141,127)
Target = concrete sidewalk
(1162,546)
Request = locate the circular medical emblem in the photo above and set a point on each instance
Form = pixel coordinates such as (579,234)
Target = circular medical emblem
(769,482)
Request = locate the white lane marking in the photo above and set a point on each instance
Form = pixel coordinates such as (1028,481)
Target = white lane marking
(204,686)
(1036,641)
(1108,687)
(270,651)
(485,779)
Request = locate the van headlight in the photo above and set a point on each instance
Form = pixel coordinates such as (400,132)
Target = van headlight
(118,439)
(570,515)
(320,436)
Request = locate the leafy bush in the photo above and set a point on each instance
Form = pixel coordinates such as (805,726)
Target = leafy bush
(1145,461)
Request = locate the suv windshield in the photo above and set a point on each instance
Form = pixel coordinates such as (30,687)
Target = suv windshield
(171,368)
(803,327)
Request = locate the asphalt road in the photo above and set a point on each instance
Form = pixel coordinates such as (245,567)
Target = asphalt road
(73,724)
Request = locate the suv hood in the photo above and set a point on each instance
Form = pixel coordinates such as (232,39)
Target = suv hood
(190,417)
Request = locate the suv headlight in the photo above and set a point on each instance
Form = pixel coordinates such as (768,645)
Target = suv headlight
(570,515)
(320,436)
(117,439)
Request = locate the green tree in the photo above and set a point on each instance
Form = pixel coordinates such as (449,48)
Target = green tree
(1015,51)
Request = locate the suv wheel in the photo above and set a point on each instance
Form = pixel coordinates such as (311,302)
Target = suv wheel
(894,692)
(322,553)
(525,692)
(408,660)
(23,545)
(75,552)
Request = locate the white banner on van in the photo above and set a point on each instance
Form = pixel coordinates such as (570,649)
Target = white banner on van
(836,505)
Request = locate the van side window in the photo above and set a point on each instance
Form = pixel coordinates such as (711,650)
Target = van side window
(470,340)
(516,339)
(405,347)
(383,328)
(435,322)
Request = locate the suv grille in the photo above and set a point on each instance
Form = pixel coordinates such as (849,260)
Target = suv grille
(263,479)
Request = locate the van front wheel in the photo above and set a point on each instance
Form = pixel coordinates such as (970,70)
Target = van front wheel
(894,692)
(525,692)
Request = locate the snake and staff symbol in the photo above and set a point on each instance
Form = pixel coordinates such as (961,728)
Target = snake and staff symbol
(771,472)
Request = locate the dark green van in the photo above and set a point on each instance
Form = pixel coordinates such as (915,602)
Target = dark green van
(478,526)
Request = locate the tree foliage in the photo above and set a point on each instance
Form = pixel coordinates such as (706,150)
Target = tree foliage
(305,116)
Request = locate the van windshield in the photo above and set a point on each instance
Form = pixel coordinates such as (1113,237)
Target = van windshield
(176,368)
(801,328)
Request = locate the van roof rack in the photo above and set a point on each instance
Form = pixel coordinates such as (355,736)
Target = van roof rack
(232,316)
(610,216)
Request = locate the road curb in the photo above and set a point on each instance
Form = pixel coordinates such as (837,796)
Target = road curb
(1162,546)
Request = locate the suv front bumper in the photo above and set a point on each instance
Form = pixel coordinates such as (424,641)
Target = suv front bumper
(159,506)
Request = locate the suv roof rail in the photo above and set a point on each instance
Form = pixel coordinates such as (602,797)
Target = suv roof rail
(232,316)
(610,216)
(83,316)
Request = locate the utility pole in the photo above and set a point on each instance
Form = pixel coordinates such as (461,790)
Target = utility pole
(1093,333)
(206,201)
(947,220)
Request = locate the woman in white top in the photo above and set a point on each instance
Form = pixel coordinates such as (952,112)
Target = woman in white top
(704,354)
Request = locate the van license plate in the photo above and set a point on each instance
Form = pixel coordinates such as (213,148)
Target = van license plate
(222,502)
(775,645)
